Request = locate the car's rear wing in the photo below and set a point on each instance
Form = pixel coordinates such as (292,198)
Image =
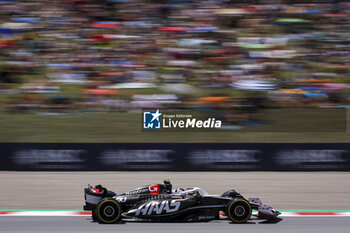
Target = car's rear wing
(94,195)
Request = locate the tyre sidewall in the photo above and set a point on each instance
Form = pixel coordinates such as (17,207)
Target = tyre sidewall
(108,211)
(235,207)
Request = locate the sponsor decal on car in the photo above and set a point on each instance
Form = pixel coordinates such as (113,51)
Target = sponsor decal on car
(137,191)
(205,217)
(121,199)
(158,208)
(154,189)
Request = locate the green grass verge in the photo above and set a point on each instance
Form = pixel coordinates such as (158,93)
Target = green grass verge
(281,126)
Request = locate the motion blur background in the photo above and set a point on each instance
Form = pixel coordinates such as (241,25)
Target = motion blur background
(82,70)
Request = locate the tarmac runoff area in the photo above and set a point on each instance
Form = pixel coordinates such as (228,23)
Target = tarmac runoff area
(281,190)
(84,224)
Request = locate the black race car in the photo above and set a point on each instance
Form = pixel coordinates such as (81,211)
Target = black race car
(159,202)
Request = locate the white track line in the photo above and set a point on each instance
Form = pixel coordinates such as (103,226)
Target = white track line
(42,213)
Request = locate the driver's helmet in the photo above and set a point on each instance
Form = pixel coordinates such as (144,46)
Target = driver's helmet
(167,186)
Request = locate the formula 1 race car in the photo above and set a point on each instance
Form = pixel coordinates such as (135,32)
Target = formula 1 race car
(158,202)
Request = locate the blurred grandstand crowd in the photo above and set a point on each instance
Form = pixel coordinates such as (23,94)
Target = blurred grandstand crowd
(69,56)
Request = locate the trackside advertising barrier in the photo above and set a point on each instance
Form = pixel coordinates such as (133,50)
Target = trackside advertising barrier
(175,157)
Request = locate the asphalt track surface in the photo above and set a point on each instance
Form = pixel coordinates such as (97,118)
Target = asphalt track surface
(10,224)
(281,190)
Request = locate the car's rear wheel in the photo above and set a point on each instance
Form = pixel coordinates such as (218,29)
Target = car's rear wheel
(108,211)
(239,211)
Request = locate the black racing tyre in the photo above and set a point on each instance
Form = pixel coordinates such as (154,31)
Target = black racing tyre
(108,211)
(239,210)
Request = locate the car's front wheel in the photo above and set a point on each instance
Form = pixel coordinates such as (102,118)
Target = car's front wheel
(239,210)
(108,211)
